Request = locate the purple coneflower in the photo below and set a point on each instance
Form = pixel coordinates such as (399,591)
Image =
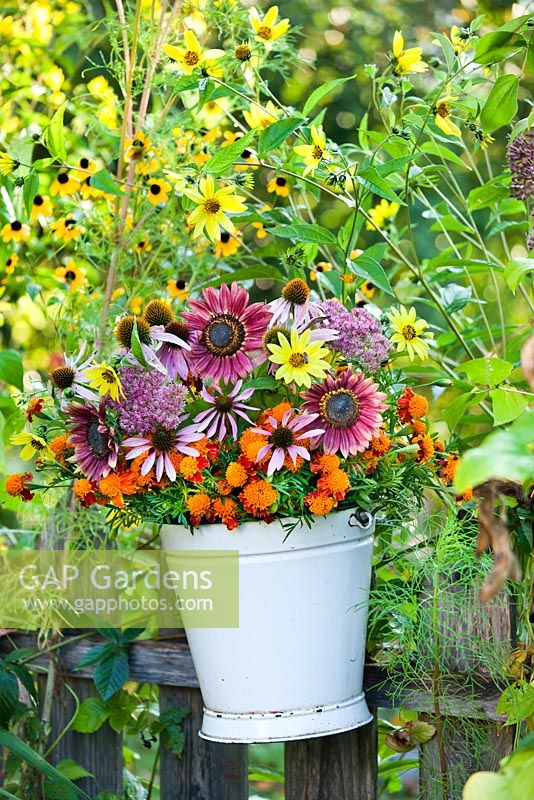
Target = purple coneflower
(71,376)
(349,408)
(157,447)
(222,411)
(142,349)
(228,331)
(95,448)
(284,439)
(295,300)
(172,353)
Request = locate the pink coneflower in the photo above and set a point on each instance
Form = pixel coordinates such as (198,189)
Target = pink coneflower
(229,330)
(224,407)
(157,447)
(284,438)
(349,407)
(295,300)
(95,448)
(172,353)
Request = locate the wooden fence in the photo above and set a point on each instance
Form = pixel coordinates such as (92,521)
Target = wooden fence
(340,767)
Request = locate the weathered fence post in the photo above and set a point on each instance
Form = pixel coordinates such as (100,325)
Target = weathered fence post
(340,767)
(206,770)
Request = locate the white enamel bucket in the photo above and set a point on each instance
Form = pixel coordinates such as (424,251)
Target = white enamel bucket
(293,669)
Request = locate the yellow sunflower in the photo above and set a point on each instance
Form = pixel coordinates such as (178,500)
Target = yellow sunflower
(32,445)
(315,153)
(406,61)
(261,117)
(409,333)
(300,360)
(381,213)
(443,118)
(213,204)
(268,29)
(190,56)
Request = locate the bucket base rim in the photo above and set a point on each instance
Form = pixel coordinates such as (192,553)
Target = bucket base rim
(256,728)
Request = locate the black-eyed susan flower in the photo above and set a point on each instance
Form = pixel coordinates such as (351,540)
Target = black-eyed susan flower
(15,231)
(261,232)
(158,191)
(406,61)
(268,29)
(409,333)
(368,289)
(136,147)
(64,185)
(443,119)
(104,378)
(258,116)
(250,160)
(72,276)
(86,166)
(178,289)
(315,153)
(7,164)
(279,185)
(213,205)
(227,245)
(41,207)
(66,229)
(190,56)
(143,246)
(11,263)
(319,269)
(381,213)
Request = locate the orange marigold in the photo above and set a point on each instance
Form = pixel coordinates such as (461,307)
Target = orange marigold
(247,438)
(258,496)
(319,503)
(208,449)
(198,504)
(189,468)
(326,462)
(465,497)
(225,509)
(224,487)
(16,485)
(59,444)
(336,483)
(135,469)
(236,474)
(418,406)
(277,412)
(426,448)
(448,468)
(85,491)
(419,427)
(380,444)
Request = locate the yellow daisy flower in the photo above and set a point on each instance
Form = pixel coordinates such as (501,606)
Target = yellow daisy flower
(279,186)
(443,118)
(64,185)
(104,378)
(212,206)
(268,29)
(15,231)
(460,39)
(381,213)
(101,90)
(7,164)
(313,154)
(261,116)
(406,61)
(300,360)
(158,192)
(41,207)
(32,445)
(191,56)
(409,332)
(72,276)
(66,229)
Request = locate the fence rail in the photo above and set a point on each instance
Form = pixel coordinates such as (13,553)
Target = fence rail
(340,767)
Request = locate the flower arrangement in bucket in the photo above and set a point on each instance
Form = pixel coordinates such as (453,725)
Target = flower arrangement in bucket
(272,428)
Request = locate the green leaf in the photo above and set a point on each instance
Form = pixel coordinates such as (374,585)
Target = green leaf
(278,132)
(31,187)
(121,707)
(448,51)
(111,675)
(487,371)
(304,233)
(104,181)
(322,91)
(11,370)
(98,653)
(23,751)
(501,106)
(170,727)
(497,46)
(517,702)
(515,270)
(71,769)
(227,156)
(394,165)
(137,349)
(487,195)
(257,772)
(507,405)
(91,715)
(368,268)
(454,411)
(9,696)
(440,150)
(54,135)
(373,182)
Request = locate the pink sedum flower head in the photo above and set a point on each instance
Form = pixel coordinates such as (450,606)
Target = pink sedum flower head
(95,448)
(228,331)
(220,417)
(349,408)
(285,437)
